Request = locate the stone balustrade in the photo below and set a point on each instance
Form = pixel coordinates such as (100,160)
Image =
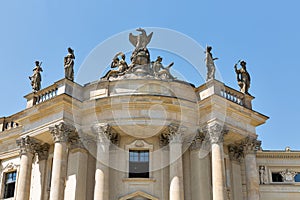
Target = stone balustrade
(7,123)
(215,87)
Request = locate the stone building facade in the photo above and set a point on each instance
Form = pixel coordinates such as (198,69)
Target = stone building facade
(140,134)
(141,139)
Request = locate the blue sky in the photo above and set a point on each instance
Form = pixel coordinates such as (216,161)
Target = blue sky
(264,33)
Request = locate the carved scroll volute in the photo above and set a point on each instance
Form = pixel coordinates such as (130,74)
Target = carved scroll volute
(172,134)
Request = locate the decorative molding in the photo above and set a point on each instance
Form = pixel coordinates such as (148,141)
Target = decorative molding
(278,154)
(138,194)
(61,132)
(250,145)
(236,152)
(288,176)
(215,132)
(10,167)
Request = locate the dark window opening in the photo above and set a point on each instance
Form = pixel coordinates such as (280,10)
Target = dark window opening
(297,178)
(276,177)
(9,185)
(138,164)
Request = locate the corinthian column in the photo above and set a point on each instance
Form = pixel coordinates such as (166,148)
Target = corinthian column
(174,137)
(42,152)
(216,135)
(27,150)
(200,167)
(60,135)
(251,145)
(104,135)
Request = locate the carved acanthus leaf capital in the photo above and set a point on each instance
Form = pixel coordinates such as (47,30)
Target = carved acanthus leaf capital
(215,132)
(198,140)
(235,152)
(61,132)
(27,145)
(105,133)
(250,145)
(172,134)
(43,151)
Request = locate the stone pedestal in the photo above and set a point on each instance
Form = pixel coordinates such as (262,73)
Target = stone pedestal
(60,135)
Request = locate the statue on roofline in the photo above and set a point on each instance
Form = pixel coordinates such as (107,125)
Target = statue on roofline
(209,61)
(140,55)
(119,63)
(36,77)
(160,71)
(243,77)
(69,64)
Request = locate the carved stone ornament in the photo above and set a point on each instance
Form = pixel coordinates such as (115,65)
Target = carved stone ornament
(27,145)
(250,145)
(43,151)
(262,175)
(172,134)
(198,140)
(61,132)
(288,176)
(215,132)
(10,167)
(141,66)
(235,152)
(105,134)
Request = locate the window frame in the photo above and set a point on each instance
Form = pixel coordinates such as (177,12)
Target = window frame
(138,160)
(4,183)
(138,145)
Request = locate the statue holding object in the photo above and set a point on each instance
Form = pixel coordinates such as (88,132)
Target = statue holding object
(160,71)
(243,77)
(117,63)
(36,78)
(209,61)
(69,65)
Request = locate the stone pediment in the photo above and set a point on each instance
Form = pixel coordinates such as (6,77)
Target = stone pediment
(138,195)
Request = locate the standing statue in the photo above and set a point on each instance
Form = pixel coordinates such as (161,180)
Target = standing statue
(243,77)
(262,174)
(209,61)
(160,71)
(36,78)
(69,64)
(140,55)
(120,63)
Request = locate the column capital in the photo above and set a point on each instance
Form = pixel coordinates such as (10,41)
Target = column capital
(198,140)
(215,132)
(172,134)
(42,151)
(61,132)
(27,145)
(235,152)
(250,145)
(105,133)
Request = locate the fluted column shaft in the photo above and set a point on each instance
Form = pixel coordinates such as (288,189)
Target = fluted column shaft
(60,135)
